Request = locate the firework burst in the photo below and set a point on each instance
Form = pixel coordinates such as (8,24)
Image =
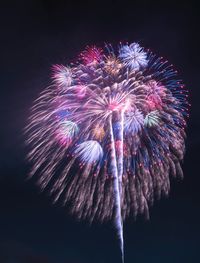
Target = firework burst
(109,133)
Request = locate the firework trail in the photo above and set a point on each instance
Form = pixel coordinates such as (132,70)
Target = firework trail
(108,134)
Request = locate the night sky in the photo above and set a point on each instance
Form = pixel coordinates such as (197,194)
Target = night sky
(37,34)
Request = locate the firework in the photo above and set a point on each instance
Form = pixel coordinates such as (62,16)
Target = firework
(109,132)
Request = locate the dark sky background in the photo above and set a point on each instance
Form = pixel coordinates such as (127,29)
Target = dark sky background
(35,35)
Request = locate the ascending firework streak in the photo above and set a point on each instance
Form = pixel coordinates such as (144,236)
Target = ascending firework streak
(108,133)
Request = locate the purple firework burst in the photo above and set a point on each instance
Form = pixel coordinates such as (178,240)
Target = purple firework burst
(109,132)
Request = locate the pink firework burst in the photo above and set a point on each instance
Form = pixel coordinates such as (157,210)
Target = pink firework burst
(109,134)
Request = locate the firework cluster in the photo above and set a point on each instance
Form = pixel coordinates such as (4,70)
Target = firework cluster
(109,132)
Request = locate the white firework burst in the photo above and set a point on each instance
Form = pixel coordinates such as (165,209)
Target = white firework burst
(62,75)
(133,56)
(89,151)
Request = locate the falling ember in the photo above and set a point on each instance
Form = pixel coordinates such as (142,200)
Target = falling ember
(108,135)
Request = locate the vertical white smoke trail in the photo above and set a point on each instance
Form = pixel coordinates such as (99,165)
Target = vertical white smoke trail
(120,150)
(120,166)
(114,171)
